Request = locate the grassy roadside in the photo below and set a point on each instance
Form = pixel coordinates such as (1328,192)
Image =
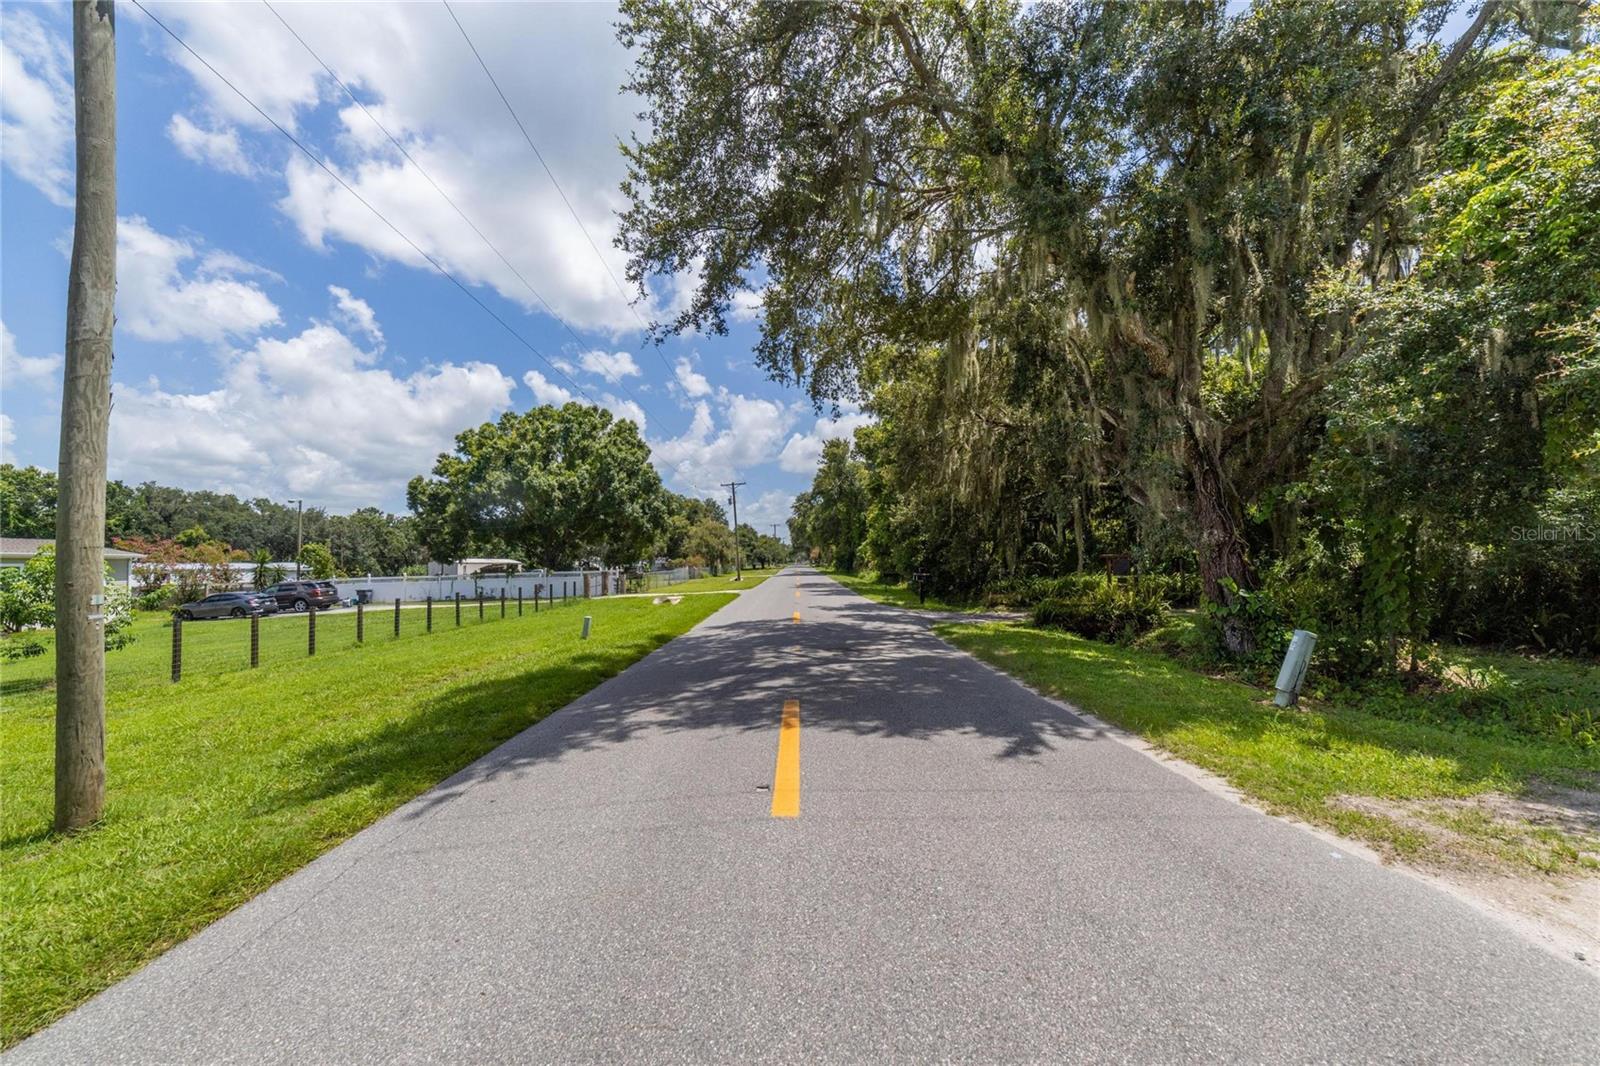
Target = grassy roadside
(1316,763)
(898,595)
(717,583)
(228,781)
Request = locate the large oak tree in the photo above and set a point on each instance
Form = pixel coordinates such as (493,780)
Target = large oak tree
(1168,195)
(555,486)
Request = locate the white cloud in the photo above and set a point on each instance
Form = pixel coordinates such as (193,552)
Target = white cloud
(356,313)
(559,64)
(16,368)
(613,366)
(703,457)
(8,437)
(306,416)
(770,507)
(693,382)
(36,121)
(747,305)
(623,408)
(219,148)
(157,302)
(800,454)
(547,392)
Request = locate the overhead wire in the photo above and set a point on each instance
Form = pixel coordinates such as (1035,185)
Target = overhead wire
(401,148)
(553,181)
(309,154)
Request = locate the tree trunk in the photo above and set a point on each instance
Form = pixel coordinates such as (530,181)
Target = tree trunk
(1221,547)
(85,421)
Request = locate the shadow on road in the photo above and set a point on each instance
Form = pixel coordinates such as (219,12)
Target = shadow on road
(858,667)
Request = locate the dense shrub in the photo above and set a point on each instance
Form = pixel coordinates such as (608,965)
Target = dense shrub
(1104,610)
(156,599)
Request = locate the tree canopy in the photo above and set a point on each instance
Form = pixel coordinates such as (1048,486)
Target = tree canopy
(1124,276)
(555,486)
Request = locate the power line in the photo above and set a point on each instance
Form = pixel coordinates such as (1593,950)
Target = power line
(551,174)
(401,148)
(364,203)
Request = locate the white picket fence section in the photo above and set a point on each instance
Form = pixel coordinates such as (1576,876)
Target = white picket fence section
(567,583)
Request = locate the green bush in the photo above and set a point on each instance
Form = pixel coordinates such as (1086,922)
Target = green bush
(1103,610)
(156,599)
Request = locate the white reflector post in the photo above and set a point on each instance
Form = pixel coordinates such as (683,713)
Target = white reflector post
(1295,661)
(585,628)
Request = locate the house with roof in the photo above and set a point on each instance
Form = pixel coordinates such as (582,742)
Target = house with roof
(15,551)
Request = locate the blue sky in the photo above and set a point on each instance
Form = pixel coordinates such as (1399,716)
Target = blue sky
(276,338)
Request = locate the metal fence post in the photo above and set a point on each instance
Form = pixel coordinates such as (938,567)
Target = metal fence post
(177,647)
(255,640)
(311,631)
(430,614)
(361,621)
(397,618)
(519,601)
(458,608)
(480,605)
(502,603)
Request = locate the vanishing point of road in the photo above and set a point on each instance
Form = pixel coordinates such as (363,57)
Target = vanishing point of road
(810,831)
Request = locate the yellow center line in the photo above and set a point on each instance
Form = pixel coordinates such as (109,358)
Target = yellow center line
(786,778)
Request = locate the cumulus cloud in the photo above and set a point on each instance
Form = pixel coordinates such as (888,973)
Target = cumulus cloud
(559,65)
(36,121)
(613,366)
(547,392)
(219,148)
(624,409)
(356,313)
(768,509)
(693,383)
(704,456)
(304,416)
(800,454)
(16,368)
(747,305)
(157,300)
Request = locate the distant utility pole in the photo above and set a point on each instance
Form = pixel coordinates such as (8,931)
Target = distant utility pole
(733,498)
(299,534)
(775,533)
(85,424)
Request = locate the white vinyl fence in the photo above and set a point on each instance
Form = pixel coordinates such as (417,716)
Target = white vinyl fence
(558,585)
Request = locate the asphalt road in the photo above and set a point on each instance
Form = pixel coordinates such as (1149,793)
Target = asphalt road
(974,874)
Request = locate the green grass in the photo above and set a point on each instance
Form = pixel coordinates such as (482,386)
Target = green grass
(718,583)
(222,784)
(1292,761)
(899,595)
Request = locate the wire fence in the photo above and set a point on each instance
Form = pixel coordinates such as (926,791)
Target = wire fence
(207,647)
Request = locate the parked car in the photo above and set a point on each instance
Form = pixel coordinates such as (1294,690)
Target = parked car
(304,595)
(227,605)
(338,600)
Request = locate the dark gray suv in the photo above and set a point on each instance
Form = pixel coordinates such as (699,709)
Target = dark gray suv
(227,605)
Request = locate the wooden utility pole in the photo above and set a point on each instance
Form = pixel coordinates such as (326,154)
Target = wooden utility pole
(85,425)
(733,498)
(299,534)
